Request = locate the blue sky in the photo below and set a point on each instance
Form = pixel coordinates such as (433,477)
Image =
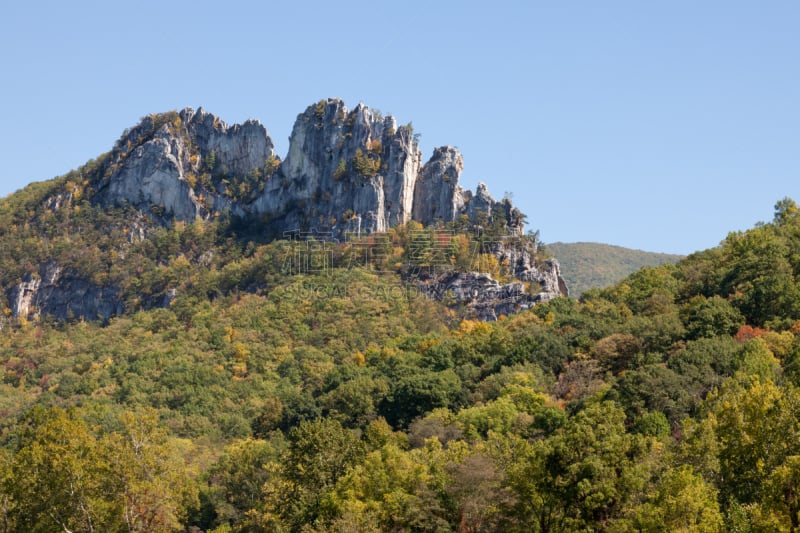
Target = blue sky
(656,125)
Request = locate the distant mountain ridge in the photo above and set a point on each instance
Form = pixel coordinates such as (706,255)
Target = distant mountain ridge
(588,265)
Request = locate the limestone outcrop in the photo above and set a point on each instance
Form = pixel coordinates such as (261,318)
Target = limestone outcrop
(57,293)
(483,297)
(486,298)
(437,195)
(167,165)
(346,172)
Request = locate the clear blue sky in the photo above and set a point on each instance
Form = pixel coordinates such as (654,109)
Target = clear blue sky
(656,125)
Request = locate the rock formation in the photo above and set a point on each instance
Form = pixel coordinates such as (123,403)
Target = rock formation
(63,295)
(346,173)
(156,167)
(487,298)
(437,195)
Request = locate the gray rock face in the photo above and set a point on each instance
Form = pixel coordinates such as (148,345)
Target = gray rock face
(482,209)
(156,166)
(62,295)
(346,171)
(437,195)
(354,171)
(550,280)
(240,149)
(481,203)
(520,258)
(23,297)
(486,298)
(153,175)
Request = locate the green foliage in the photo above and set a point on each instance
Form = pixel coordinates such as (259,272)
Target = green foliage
(319,454)
(711,317)
(55,477)
(210,161)
(584,474)
(684,501)
(341,169)
(748,417)
(236,479)
(366,165)
(415,394)
(786,212)
(319,109)
(63,476)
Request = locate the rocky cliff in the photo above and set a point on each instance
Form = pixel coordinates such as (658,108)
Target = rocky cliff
(347,173)
(179,166)
(63,295)
(487,298)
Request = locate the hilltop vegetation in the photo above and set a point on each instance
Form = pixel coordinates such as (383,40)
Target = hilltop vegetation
(590,265)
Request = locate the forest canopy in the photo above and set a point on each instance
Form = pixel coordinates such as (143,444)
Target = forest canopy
(666,402)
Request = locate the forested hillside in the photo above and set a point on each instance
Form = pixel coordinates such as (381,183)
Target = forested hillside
(256,385)
(591,265)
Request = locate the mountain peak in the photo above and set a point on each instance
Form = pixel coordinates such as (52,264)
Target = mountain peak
(345,171)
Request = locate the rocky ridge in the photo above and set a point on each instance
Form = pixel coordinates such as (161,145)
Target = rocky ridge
(347,173)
